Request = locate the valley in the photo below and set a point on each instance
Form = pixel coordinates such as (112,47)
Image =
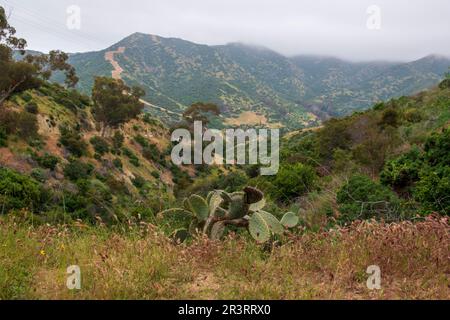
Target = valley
(292,92)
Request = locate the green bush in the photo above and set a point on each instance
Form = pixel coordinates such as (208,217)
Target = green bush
(48,161)
(437,149)
(18,191)
(151,153)
(23,124)
(362,198)
(139,182)
(38,174)
(134,160)
(32,108)
(444,84)
(100,145)
(3,138)
(403,171)
(73,141)
(76,170)
(432,191)
(156,174)
(293,180)
(141,140)
(118,140)
(117,163)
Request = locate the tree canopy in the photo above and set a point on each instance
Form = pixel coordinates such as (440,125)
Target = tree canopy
(114,102)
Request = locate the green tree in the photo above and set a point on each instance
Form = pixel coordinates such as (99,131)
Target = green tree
(293,180)
(29,73)
(115,103)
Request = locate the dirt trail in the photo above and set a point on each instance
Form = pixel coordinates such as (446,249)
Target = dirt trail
(117,74)
(109,56)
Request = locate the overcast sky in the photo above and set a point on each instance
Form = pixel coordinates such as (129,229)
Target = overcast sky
(409,29)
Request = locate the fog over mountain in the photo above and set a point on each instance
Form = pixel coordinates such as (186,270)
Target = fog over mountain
(320,27)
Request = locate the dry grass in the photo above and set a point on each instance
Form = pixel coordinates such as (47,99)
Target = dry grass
(141,263)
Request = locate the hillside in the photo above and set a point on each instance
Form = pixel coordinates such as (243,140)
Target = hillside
(295,92)
(326,174)
(52,137)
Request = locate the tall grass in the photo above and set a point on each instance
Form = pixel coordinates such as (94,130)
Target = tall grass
(142,263)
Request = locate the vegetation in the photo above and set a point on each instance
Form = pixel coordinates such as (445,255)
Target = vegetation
(370,188)
(115,103)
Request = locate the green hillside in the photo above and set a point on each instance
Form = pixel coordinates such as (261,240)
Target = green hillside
(296,92)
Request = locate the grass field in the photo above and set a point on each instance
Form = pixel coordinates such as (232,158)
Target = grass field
(138,262)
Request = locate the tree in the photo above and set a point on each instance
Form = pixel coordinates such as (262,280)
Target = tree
(29,73)
(200,112)
(115,103)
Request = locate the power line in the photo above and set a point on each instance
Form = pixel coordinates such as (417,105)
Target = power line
(50,26)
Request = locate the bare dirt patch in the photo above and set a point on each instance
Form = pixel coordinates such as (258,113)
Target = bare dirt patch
(109,56)
(247,118)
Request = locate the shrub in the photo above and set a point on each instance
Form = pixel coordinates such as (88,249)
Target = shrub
(38,174)
(76,170)
(3,137)
(444,84)
(362,198)
(18,191)
(141,140)
(134,160)
(48,161)
(156,174)
(32,108)
(293,180)
(433,190)
(390,117)
(139,182)
(100,145)
(73,141)
(233,181)
(117,163)
(403,171)
(23,124)
(118,140)
(413,115)
(151,153)
(437,148)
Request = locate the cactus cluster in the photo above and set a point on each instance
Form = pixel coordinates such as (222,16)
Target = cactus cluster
(220,209)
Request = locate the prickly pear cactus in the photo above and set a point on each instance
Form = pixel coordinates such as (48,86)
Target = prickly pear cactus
(212,215)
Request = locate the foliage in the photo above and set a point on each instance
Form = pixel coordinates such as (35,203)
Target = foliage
(18,191)
(72,139)
(47,161)
(425,173)
(3,137)
(23,124)
(28,73)
(134,160)
(293,180)
(101,146)
(432,191)
(404,171)
(76,170)
(118,140)
(32,107)
(114,102)
(361,198)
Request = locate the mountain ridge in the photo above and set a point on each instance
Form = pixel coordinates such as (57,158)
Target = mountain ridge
(295,91)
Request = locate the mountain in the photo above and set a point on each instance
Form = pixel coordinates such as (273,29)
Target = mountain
(253,85)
